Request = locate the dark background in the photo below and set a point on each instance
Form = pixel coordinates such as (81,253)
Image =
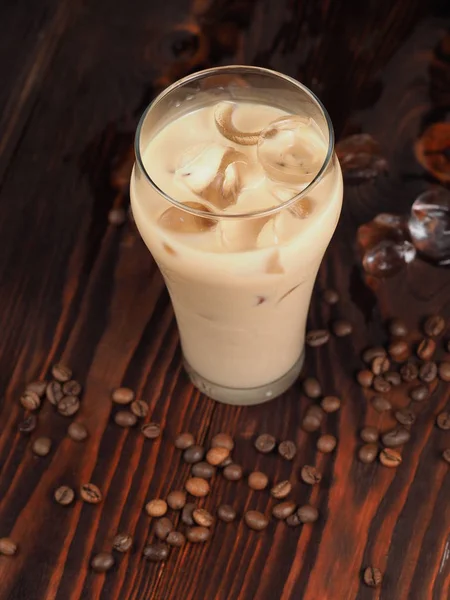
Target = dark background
(75,76)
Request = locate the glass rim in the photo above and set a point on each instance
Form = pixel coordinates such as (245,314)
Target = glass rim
(235,69)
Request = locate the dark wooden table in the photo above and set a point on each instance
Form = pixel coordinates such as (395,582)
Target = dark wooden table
(75,76)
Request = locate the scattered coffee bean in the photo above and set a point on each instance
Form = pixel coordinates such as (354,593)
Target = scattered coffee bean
(370,353)
(265,443)
(122,395)
(434,326)
(102,562)
(446,455)
(369,434)
(193,454)
(398,328)
(30,400)
(310,475)
(90,493)
(77,431)
(405,416)
(256,520)
(198,535)
(38,387)
(426,349)
(287,450)
(313,418)
(380,365)
(54,392)
(428,372)
(381,385)
(283,510)
(71,388)
(203,470)
(258,480)
(163,527)
(216,455)
(330,296)
(368,453)
(125,418)
(222,440)
(372,577)
(156,552)
(311,387)
(326,443)
(61,372)
(197,487)
(186,514)
(176,499)
(444,371)
(226,462)
(381,404)
(330,404)
(42,446)
(409,372)
(393,378)
(395,437)
(122,542)
(293,520)
(139,408)
(151,430)
(443,421)
(176,539)
(398,351)
(68,406)
(28,424)
(184,441)
(233,472)
(390,458)
(156,507)
(317,337)
(419,393)
(64,495)
(342,328)
(226,513)
(203,517)
(364,378)
(117,216)
(307,514)
(281,490)
(7,547)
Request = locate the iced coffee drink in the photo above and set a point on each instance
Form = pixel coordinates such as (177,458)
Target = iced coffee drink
(236,191)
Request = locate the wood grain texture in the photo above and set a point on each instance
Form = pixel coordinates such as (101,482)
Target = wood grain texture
(75,78)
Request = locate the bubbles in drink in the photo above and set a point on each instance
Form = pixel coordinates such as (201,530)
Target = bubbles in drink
(180,221)
(429,225)
(387,257)
(223,117)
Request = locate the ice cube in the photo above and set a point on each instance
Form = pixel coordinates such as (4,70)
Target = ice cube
(223,117)
(280,229)
(301,209)
(273,265)
(387,257)
(291,150)
(180,221)
(429,225)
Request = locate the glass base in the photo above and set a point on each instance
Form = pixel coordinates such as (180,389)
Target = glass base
(245,396)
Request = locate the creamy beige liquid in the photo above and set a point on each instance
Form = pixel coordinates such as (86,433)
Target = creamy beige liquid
(240,288)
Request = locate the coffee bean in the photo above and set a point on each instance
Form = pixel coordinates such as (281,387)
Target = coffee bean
(156,507)
(293,520)
(122,542)
(313,418)
(342,328)
(446,455)
(226,462)
(287,450)
(28,424)
(265,443)
(370,353)
(61,372)
(419,393)
(426,349)
(369,434)
(117,216)
(203,470)
(258,480)
(380,365)
(330,404)
(64,495)
(311,387)
(139,408)
(368,453)
(222,440)
(151,430)
(7,547)
(203,517)
(364,378)
(330,296)
(381,385)
(216,455)
(30,400)
(310,475)
(443,421)
(226,513)
(395,437)
(256,520)
(163,527)
(196,486)
(71,388)
(54,392)
(372,577)
(444,371)
(281,490)
(38,387)
(198,535)
(307,514)
(184,441)
(102,562)
(193,454)
(428,372)
(186,514)
(233,472)
(176,539)
(176,499)
(381,404)
(90,493)
(398,351)
(77,431)
(409,372)
(405,416)
(398,328)
(283,510)
(42,446)
(122,395)
(434,326)
(390,458)
(156,552)
(317,337)
(125,418)
(393,378)
(326,443)
(68,406)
